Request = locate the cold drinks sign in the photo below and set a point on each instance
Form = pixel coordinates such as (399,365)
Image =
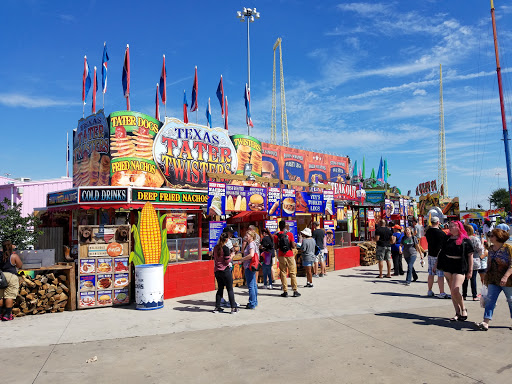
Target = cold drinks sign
(109,195)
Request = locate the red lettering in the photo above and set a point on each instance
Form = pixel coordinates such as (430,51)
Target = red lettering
(225,155)
(201,147)
(171,143)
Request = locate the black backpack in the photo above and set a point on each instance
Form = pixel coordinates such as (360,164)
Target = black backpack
(283,243)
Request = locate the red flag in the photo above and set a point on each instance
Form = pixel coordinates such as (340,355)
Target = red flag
(157,104)
(185,107)
(126,76)
(94,89)
(226,111)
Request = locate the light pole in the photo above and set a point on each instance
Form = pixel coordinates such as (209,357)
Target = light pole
(251,15)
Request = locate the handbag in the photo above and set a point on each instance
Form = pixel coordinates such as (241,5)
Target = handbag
(3,281)
(255,263)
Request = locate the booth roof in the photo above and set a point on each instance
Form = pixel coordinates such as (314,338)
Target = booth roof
(247,216)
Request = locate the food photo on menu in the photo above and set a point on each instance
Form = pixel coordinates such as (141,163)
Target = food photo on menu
(289,205)
(87,266)
(120,280)
(121,264)
(104,281)
(87,299)
(104,297)
(87,283)
(121,296)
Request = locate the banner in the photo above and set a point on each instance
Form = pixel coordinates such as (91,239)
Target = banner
(91,151)
(288,203)
(329,227)
(338,168)
(272,226)
(329,201)
(371,220)
(343,191)
(131,144)
(316,167)
(248,151)
(274,201)
(185,153)
(216,199)
(293,165)
(270,161)
(349,221)
(215,230)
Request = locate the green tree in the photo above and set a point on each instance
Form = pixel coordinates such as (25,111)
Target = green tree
(22,231)
(500,198)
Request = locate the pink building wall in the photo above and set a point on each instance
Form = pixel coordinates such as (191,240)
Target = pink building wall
(33,192)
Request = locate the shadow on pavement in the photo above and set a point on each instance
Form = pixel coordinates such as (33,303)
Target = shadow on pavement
(431,320)
(195,306)
(402,294)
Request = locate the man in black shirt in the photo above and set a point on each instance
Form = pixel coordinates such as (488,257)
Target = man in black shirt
(383,238)
(435,239)
(318,236)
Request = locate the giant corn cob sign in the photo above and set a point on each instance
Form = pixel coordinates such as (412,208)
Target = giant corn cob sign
(150,239)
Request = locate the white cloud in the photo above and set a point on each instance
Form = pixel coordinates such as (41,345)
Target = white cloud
(19,100)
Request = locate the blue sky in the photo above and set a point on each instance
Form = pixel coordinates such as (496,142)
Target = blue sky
(360,78)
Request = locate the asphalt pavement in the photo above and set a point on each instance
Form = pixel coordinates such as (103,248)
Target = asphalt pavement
(350,328)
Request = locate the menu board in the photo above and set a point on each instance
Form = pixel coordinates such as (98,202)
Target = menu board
(236,201)
(274,201)
(216,199)
(288,203)
(316,203)
(329,232)
(216,228)
(176,223)
(329,201)
(293,228)
(103,265)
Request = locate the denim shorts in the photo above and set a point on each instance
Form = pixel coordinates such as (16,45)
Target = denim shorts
(308,263)
(431,263)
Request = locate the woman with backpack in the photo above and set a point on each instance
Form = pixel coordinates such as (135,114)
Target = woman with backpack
(267,257)
(9,261)
(222,256)
(250,272)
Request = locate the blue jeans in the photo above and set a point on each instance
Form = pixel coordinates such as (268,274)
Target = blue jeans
(250,277)
(267,274)
(410,268)
(492,297)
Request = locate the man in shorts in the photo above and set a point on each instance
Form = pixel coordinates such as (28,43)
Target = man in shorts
(435,239)
(318,236)
(383,253)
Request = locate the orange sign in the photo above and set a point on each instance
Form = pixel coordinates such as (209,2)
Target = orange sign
(114,249)
(176,223)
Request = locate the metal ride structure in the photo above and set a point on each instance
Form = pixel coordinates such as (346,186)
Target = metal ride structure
(284,119)
(502,105)
(441,171)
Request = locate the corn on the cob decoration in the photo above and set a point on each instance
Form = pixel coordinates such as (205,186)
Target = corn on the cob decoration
(150,239)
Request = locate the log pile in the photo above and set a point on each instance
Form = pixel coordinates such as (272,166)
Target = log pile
(367,253)
(41,294)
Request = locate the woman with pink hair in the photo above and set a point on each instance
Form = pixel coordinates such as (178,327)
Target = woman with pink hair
(456,260)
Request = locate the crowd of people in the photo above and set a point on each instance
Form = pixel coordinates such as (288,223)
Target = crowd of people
(459,255)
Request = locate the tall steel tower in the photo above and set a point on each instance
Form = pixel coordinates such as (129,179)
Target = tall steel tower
(284,119)
(441,171)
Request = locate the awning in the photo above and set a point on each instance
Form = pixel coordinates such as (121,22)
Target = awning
(124,206)
(247,216)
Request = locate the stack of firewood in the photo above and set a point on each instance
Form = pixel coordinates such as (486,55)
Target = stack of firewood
(367,252)
(41,294)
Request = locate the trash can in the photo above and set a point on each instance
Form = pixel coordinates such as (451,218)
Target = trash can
(149,286)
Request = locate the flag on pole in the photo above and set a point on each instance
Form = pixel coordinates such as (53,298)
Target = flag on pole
(247,97)
(67,154)
(386,172)
(380,172)
(220,95)
(185,107)
(163,83)
(126,76)
(208,115)
(104,68)
(364,173)
(193,106)
(157,104)
(86,81)
(354,172)
(226,113)
(94,90)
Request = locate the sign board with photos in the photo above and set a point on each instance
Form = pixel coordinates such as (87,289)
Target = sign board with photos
(329,228)
(241,198)
(104,270)
(288,202)
(216,199)
(274,201)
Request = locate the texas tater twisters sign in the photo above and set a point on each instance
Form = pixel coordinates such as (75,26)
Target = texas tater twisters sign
(185,153)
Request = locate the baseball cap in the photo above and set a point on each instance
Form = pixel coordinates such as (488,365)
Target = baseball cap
(434,219)
(397,227)
(229,229)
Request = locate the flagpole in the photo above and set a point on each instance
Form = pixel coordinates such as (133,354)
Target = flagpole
(67,154)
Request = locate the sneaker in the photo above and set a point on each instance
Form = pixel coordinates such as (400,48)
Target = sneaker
(218,310)
(284,294)
(9,318)
(315,275)
(321,275)
(430,294)
(248,306)
(444,296)
(308,285)
(407,283)
(296,294)
(265,287)
(234,311)
(270,287)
